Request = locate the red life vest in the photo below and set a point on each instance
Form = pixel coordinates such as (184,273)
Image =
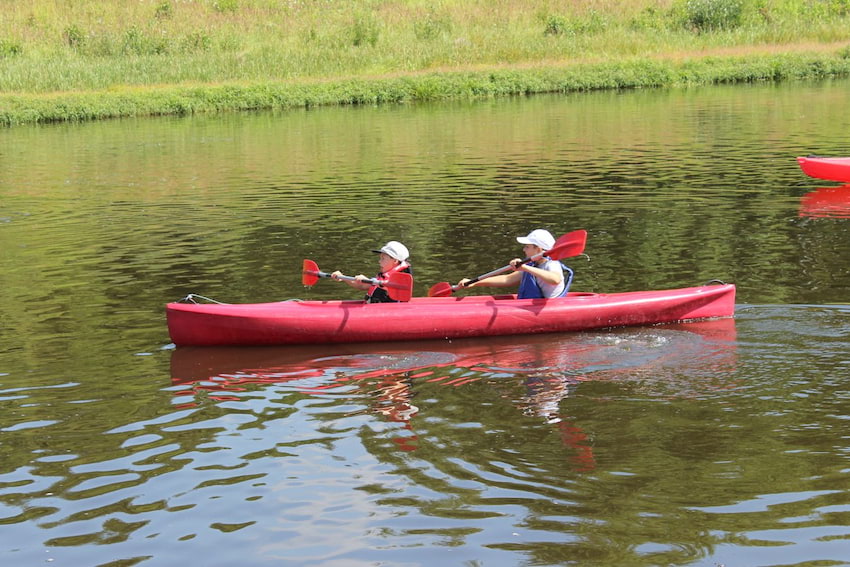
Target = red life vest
(401,267)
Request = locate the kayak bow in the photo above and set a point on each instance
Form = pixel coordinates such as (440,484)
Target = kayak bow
(829,168)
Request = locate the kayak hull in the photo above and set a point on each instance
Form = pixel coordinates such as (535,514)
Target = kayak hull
(831,169)
(324,322)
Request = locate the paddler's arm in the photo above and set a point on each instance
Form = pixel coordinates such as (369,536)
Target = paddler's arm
(551,278)
(503,280)
(359,283)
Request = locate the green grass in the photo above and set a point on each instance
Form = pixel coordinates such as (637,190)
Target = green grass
(87,59)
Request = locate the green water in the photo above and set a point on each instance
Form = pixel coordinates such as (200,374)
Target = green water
(680,445)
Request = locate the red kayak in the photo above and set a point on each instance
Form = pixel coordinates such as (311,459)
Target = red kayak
(312,322)
(829,168)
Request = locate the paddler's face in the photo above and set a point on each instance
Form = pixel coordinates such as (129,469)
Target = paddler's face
(531,250)
(387,262)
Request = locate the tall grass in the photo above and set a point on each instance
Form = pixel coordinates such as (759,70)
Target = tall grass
(60,46)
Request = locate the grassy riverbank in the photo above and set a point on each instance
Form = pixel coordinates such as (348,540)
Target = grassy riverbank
(89,59)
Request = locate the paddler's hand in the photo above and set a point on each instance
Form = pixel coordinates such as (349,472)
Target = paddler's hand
(464,282)
(335,275)
(363,279)
(517,264)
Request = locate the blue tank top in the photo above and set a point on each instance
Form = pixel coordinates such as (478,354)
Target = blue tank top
(529,287)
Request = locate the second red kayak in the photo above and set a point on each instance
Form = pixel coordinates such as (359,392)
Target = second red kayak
(829,168)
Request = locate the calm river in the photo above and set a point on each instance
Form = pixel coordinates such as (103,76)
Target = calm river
(714,443)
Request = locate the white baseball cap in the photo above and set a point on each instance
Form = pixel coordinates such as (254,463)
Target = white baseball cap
(539,237)
(394,249)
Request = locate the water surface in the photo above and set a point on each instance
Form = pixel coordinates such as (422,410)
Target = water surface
(703,444)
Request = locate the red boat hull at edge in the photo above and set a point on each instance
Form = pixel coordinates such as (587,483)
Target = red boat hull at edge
(831,169)
(311,322)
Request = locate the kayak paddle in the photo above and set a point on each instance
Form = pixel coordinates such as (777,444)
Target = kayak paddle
(399,285)
(568,245)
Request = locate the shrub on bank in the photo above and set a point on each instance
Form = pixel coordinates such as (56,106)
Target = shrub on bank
(9,48)
(711,15)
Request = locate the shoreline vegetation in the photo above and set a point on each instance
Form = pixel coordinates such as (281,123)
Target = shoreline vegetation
(77,60)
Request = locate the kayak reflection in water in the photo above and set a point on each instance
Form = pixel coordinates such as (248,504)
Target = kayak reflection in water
(543,277)
(393,259)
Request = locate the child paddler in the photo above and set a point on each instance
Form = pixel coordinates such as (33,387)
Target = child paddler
(539,278)
(393,258)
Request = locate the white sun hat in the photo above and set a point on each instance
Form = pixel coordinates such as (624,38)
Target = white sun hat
(543,239)
(394,249)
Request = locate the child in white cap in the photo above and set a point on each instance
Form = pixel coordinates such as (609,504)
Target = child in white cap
(539,278)
(394,258)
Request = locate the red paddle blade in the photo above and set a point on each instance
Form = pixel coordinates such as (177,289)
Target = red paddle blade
(309,273)
(442,289)
(569,245)
(400,286)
